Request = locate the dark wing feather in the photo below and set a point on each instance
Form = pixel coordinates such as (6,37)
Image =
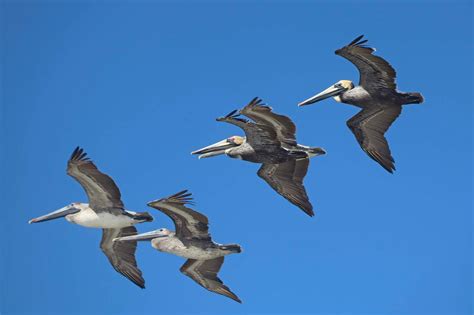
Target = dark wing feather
(369,127)
(100,188)
(189,223)
(204,272)
(257,135)
(375,72)
(287,179)
(122,254)
(285,128)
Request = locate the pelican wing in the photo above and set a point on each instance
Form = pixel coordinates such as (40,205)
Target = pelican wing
(122,254)
(189,223)
(369,127)
(204,272)
(287,179)
(285,128)
(257,135)
(375,72)
(100,188)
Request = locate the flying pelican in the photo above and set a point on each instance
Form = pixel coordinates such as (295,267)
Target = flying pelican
(191,240)
(376,94)
(105,210)
(269,140)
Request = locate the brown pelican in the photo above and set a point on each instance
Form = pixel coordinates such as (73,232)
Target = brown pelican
(269,140)
(191,240)
(376,94)
(105,210)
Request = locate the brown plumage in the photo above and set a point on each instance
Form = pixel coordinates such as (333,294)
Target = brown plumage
(204,273)
(100,188)
(121,255)
(283,126)
(374,71)
(287,179)
(189,224)
(369,127)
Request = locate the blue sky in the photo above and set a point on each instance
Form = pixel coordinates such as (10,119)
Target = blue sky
(139,87)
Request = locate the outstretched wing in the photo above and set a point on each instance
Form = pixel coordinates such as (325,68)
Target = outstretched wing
(204,272)
(287,179)
(369,127)
(122,254)
(100,188)
(285,128)
(257,135)
(189,223)
(375,72)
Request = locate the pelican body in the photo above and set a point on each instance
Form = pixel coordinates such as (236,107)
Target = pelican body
(345,92)
(82,214)
(274,154)
(167,241)
(191,240)
(270,140)
(376,94)
(105,210)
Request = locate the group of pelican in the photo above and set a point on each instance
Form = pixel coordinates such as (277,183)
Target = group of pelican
(269,140)
(106,210)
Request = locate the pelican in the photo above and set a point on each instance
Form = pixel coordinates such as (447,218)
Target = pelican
(105,210)
(376,94)
(271,141)
(191,240)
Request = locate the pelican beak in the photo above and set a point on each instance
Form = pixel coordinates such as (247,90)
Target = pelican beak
(214,149)
(56,214)
(330,91)
(141,237)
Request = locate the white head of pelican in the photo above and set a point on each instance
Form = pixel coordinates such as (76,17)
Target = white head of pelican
(221,147)
(334,91)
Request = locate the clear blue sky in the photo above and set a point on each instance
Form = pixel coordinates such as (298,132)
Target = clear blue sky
(139,87)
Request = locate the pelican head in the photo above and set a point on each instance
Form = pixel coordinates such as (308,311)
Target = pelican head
(334,90)
(148,236)
(220,147)
(63,212)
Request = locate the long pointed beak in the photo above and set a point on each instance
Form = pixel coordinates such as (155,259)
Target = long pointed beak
(330,91)
(140,237)
(214,149)
(55,214)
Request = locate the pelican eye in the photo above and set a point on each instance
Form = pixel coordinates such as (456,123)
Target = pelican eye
(337,85)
